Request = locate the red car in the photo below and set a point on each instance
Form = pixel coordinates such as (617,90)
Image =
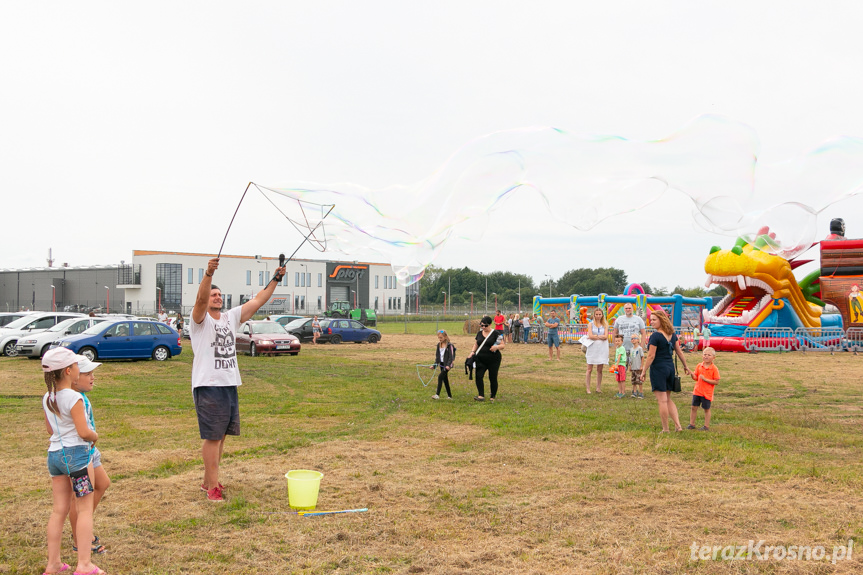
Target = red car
(266,337)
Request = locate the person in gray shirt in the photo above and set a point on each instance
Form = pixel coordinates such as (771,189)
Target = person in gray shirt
(628,325)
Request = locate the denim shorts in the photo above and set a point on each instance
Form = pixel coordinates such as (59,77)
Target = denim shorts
(77,457)
(553,340)
(97,457)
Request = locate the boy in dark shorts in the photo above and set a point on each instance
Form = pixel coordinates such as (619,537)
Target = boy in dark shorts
(706,376)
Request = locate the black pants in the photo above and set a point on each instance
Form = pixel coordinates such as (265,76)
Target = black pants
(443,379)
(490,364)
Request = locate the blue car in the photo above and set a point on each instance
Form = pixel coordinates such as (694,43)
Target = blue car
(339,330)
(125,339)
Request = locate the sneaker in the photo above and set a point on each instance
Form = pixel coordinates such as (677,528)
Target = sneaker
(203,488)
(705,428)
(634,395)
(618,395)
(640,395)
(690,427)
(449,397)
(435,396)
(215,494)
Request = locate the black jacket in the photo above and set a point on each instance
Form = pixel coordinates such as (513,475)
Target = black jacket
(448,356)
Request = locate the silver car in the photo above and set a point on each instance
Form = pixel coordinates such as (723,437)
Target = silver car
(8,317)
(34,346)
(30,325)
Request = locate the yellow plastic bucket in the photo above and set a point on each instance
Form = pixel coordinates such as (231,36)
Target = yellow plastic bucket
(303,486)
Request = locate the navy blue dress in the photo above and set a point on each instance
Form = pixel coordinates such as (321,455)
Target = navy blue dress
(662,368)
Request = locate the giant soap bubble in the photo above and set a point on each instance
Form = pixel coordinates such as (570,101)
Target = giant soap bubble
(583,180)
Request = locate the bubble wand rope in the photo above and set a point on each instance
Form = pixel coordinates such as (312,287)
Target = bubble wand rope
(291,257)
(243,197)
(238,209)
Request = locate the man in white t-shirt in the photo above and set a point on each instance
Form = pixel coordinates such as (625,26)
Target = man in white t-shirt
(215,375)
(163,316)
(628,325)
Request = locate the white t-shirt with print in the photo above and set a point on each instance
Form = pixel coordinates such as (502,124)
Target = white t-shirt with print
(214,345)
(65,434)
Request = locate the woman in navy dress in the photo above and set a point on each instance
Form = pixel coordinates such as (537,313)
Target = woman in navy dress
(660,362)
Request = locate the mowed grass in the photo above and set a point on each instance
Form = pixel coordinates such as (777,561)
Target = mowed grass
(546,480)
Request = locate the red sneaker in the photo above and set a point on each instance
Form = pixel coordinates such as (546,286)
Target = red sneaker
(204,488)
(215,494)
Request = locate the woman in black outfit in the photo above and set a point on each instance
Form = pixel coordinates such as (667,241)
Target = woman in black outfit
(661,347)
(486,354)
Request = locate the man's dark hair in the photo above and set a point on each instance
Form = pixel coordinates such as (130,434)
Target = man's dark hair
(214,286)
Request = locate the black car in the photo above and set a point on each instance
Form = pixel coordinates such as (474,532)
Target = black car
(302,329)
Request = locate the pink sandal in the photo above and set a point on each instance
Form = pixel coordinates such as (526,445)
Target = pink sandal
(65,567)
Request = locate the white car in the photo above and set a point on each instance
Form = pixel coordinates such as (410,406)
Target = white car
(29,325)
(34,346)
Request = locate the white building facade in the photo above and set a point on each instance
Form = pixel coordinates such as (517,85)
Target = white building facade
(170,280)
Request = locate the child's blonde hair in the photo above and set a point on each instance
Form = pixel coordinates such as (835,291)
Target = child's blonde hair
(51,379)
(710,349)
(444,334)
(636,338)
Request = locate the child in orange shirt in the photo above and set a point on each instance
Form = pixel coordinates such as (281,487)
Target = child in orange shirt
(706,376)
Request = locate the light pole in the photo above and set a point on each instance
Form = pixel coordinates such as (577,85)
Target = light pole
(471,304)
(549,285)
(53,298)
(495,300)
(486,296)
(444,301)
(159,302)
(306,283)
(260,259)
(107,299)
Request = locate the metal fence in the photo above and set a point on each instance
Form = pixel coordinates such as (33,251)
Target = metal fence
(769,339)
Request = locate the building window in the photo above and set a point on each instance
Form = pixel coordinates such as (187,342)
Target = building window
(303,280)
(400,303)
(189,273)
(320,281)
(248,277)
(297,280)
(376,303)
(302,302)
(389,303)
(296,302)
(169,277)
(309,279)
(319,301)
(285,280)
(200,275)
(260,278)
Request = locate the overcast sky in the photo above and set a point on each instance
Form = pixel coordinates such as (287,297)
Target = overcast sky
(130,126)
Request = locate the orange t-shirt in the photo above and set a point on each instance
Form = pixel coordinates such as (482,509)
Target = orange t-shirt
(703,389)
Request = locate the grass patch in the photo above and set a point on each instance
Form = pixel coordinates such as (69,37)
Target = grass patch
(547,479)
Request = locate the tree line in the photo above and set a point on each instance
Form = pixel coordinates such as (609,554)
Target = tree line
(457,285)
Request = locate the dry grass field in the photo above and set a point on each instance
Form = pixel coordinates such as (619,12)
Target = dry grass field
(545,480)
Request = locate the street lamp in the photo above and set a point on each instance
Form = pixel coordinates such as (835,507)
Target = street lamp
(495,300)
(159,304)
(444,301)
(306,283)
(107,299)
(259,259)
(471,303)
(549,285)
(53,298)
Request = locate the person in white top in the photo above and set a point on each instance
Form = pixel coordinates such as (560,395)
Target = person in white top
(215,375)
(69,458)
(163,317)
